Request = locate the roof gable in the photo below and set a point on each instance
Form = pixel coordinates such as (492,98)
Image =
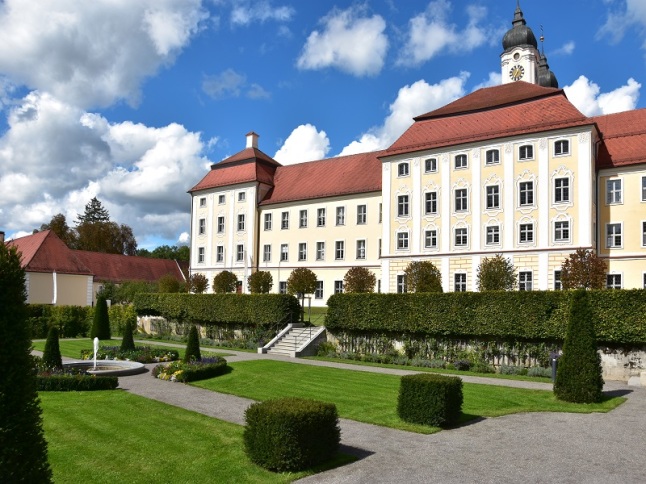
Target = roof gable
(623,139)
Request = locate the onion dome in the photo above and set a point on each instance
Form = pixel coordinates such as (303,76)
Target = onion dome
(520,34)
(546,78)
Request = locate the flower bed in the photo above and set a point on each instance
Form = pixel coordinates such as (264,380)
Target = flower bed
(141,354)
(195,370)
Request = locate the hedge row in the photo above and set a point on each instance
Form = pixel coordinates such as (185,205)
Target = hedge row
(76,383)
(252,309)
(429,399)
(619,315)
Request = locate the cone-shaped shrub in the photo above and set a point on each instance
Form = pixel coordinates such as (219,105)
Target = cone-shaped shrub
(578,376)
(52,354)
(193,346)
(128,342)
(101,323)
(23,449)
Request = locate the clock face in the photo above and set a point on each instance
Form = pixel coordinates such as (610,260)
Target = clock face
(516,73)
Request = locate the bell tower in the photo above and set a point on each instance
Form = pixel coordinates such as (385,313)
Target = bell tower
(520,58)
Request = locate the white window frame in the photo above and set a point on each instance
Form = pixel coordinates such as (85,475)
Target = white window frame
(494,154)
(219,254)
(430,239)
(200,255)
(611,281)
(362,214)
(526,230)
(403,206)
(403,169)
(562,192)
(529,190)
(266,253)
(282,287)
(643,233)
(302,219)
(401,283)
(338,287)
(284,221)
(558,285)
(614,191)
(340,216)
(613,235)
(284,252)
(525,280)
(242,196)
(558,231)
(339,249)
(240,253)
(643,188)
(320,217)
(268,221)
(462,235)
(461,199)
(202,226)
(241,222)
(221,224)
(320,251)
(460,282)
(222,199)
(492,233)
(318,292)
(561,147)
(302,251)
(431,202)
(461,161)
(202,201)
(361,249)
(526,152)
(494,197)
(402,240)
(430,165)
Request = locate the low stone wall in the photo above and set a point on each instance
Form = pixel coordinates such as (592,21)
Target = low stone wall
(623,365)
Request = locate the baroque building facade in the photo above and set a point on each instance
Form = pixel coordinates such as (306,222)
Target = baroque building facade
(513,169)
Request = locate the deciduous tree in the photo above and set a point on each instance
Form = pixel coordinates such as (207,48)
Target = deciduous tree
(423,276)
(58,225)
(96,233)
(260,282)
(197,283)
(168,283)
(225,281)
(496,274)
(359,279)
(583,269)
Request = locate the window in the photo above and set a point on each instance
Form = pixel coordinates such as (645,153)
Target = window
(284,252)
(266,253)
(644,280)
(402,169)
(557,281)
(361,249)
(380,212)
(561,190)
(526,194)
(492,157)
(644,189)
(613,281)
(613,235)
(461,200)
(402,240)
(430,239)
(242,196)
(320,250)
(402,206)
(461,237)
(302,219)
(561,231)
(202,229)
(525,281)
(526,152)
(284,220)
(430,165)
(239,253)
(526,233)
(220,225)
(461,161)
(430,203)
(338,287)
(401,283)
(493,235)
(200,255)
(219,253)
(362,214)
(318,292)
(613,191)
(203,202)
(339,251)
(240,222)
(340,215)
(561,147)
(267,221)
(460,282)
(221,199)
(302,251)
(320,217)
(493,197)
(282,287)
(643,234)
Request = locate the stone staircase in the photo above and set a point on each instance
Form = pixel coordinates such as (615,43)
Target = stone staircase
(295,340)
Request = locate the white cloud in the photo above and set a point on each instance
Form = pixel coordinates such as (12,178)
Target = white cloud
(349,41)
(618,23)
(565,49)
(413,100)
(494,79)
(246,12)
(184,239)
(431,34)
(587,97)
(305,143)
(92,54)
(230,83)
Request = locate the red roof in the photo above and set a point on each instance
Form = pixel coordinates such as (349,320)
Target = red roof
(119,268)
(343,175)
(508,110)
(623,139)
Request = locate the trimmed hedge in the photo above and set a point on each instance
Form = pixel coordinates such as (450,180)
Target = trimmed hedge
(291,434)
(76,383)
(253,309)
(430,399)
(619,315)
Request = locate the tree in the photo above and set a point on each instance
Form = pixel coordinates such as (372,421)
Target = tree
(94,213)
(225,281)
(583,269)
(301,281)
(496,274)
(260,282)
(168,283)
(423,276)
(128,342)
(578,376)
(125,293)
(359,279)
(192,346)
(197,283)
(101,323)
(52,353)
(97,233)
(58,225)
(175,252)
(23,448)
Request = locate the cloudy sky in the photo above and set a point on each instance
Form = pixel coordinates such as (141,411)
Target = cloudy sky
(131,101)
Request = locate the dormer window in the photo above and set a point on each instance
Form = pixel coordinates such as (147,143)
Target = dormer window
(561,147)
(402,169)
(526,152)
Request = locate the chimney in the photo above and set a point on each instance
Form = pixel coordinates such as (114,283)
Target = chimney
(252,140)
(1,237)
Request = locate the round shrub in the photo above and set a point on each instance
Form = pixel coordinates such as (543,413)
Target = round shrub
(291,434)
(430,399)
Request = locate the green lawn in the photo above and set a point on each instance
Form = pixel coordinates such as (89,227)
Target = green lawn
(114,436)
(372,397)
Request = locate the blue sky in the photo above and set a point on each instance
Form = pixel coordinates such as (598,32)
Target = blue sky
(132,101)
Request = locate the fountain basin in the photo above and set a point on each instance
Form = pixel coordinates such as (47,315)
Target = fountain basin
(108,367)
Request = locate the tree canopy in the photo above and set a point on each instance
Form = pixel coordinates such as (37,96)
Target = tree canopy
(301,281)
(260,282)
(225,281)
(496,274)
(359,279)
(423,276)
(583,269)
(175,252)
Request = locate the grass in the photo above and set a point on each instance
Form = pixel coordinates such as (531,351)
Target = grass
(114,436)
(316,315)
(372,397)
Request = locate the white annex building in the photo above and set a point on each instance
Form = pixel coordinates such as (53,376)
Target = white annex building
(514,169)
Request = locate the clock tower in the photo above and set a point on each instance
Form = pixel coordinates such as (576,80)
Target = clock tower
(520,59)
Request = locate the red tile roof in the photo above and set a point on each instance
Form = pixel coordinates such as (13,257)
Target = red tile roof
(623,139)
(343,175)
(119,268)
(508,110)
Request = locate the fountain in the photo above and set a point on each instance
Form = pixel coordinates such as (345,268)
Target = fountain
(107,367)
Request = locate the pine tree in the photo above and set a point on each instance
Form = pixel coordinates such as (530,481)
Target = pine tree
(101,322)
(23,449)
(578,376)
(128,342)
(52,354)
(192,346)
